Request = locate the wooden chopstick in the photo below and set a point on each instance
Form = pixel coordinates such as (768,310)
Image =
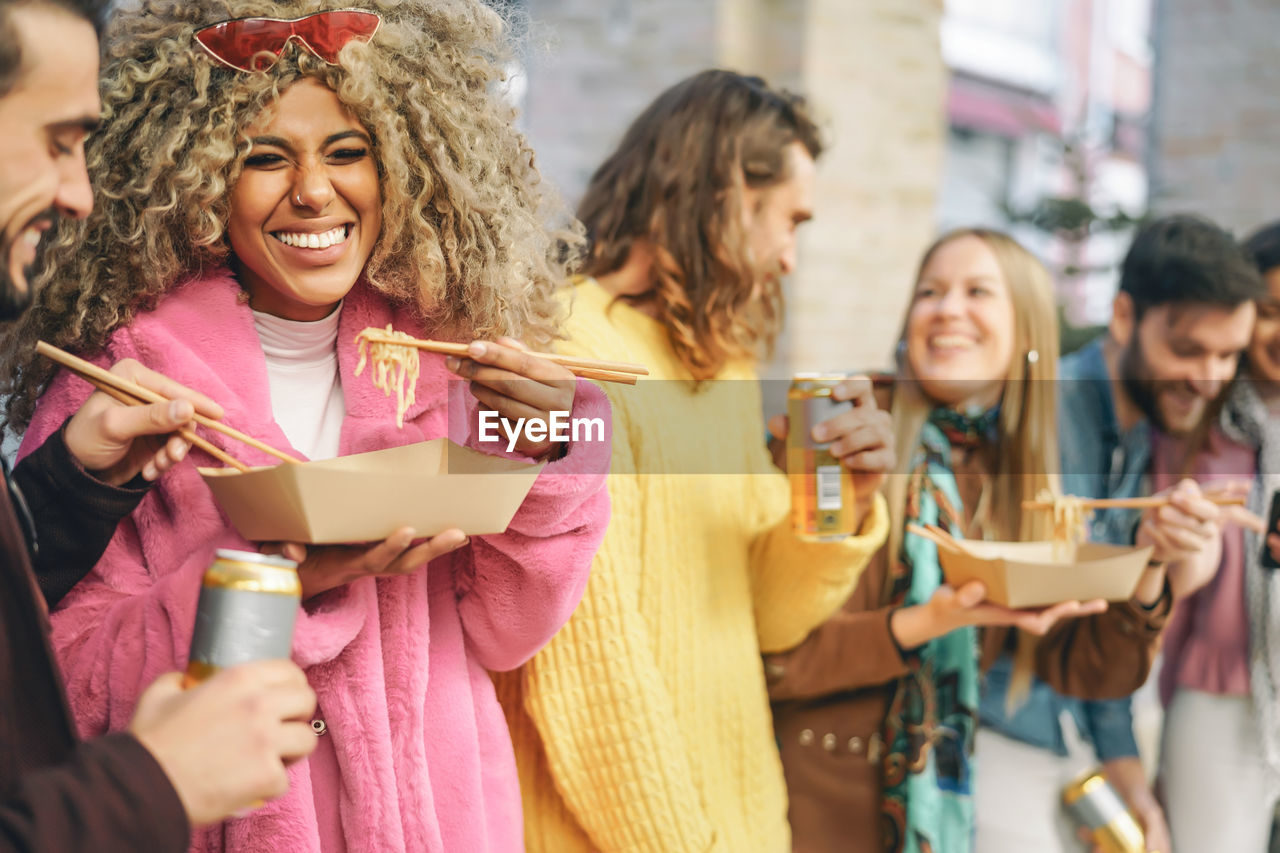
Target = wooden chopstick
(956,544)
(942,541)
(616,369)
(605,375)
(1131,503)
(186,432)
(92,372)
(941,531)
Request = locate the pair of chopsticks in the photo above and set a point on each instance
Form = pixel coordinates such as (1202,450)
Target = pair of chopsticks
(587,368)
(939,536)
(132,394)
(1151,502)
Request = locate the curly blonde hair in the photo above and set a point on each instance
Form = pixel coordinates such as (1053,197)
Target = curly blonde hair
(469,234)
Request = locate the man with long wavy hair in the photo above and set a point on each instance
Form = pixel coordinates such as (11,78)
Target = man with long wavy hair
(189,757)
(644,724)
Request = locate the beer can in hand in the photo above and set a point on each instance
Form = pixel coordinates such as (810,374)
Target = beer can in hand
(821,488)
(1095,804)
(247,607)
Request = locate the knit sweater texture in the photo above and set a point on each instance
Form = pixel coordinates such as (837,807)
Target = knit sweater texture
(644,725)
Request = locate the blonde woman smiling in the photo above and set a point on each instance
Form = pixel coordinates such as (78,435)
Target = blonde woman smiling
(876,711)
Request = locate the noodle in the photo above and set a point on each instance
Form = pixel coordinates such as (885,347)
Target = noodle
(394,365)
(1069,523)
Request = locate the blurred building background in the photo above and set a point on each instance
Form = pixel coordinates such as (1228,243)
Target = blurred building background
(872,68)
(1216,116)
(1047,132)
(1063,121)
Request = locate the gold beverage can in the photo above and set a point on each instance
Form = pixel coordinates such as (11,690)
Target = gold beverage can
(822,495)
(1095,804)
(247,607)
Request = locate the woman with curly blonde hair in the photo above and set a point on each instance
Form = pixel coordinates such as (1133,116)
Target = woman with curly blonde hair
(268,187)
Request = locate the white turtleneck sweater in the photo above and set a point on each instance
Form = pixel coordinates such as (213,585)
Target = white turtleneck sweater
(302,372)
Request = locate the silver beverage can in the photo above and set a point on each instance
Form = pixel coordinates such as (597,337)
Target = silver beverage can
(1095,805)
(247,608)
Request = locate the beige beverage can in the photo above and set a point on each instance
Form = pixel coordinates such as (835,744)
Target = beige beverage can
(822,507)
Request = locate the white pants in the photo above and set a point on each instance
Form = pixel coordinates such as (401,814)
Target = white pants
(1018,797)
(1219,795)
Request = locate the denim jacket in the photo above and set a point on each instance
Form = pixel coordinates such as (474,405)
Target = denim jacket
(1098,461)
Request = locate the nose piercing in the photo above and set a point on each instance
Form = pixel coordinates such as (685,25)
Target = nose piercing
(297,199)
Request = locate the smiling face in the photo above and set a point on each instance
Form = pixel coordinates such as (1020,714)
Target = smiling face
(45,117)
(307,210)
(1178,358)
(960,329)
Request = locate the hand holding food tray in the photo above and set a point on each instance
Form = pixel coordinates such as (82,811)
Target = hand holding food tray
(430,486)
(1023,575)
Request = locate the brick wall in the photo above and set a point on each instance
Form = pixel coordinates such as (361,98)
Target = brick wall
(1216,118)
(593,65)
(876,69)
(872,68)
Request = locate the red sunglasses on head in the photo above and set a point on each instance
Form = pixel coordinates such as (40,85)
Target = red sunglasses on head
(254,44)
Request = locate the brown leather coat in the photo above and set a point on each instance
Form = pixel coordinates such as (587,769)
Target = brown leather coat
(830,694)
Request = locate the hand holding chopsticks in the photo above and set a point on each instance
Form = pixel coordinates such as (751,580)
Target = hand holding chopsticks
(1183,525)
(122,387)
(586,368)
(516,384)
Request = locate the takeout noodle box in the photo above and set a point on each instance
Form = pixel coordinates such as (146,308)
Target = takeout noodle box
(1026,574)
(429,486)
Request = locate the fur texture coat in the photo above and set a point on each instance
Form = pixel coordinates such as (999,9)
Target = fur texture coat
(416,756)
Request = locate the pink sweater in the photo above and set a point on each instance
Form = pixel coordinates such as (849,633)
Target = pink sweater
(418,755)
(1206,643)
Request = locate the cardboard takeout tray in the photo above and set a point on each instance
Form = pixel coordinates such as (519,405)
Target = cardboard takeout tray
(429,486)
(1025,574)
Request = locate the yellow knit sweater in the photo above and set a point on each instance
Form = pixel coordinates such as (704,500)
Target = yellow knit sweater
(644,725)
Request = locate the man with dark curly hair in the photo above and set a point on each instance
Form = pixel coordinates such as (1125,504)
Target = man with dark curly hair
(188,757)
(1180,321)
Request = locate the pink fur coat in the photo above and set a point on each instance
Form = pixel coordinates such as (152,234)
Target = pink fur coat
(416,755)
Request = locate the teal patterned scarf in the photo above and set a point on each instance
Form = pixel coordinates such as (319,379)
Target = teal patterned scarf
(927,804)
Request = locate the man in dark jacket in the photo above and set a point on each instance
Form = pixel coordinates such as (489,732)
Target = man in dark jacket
(190,757)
